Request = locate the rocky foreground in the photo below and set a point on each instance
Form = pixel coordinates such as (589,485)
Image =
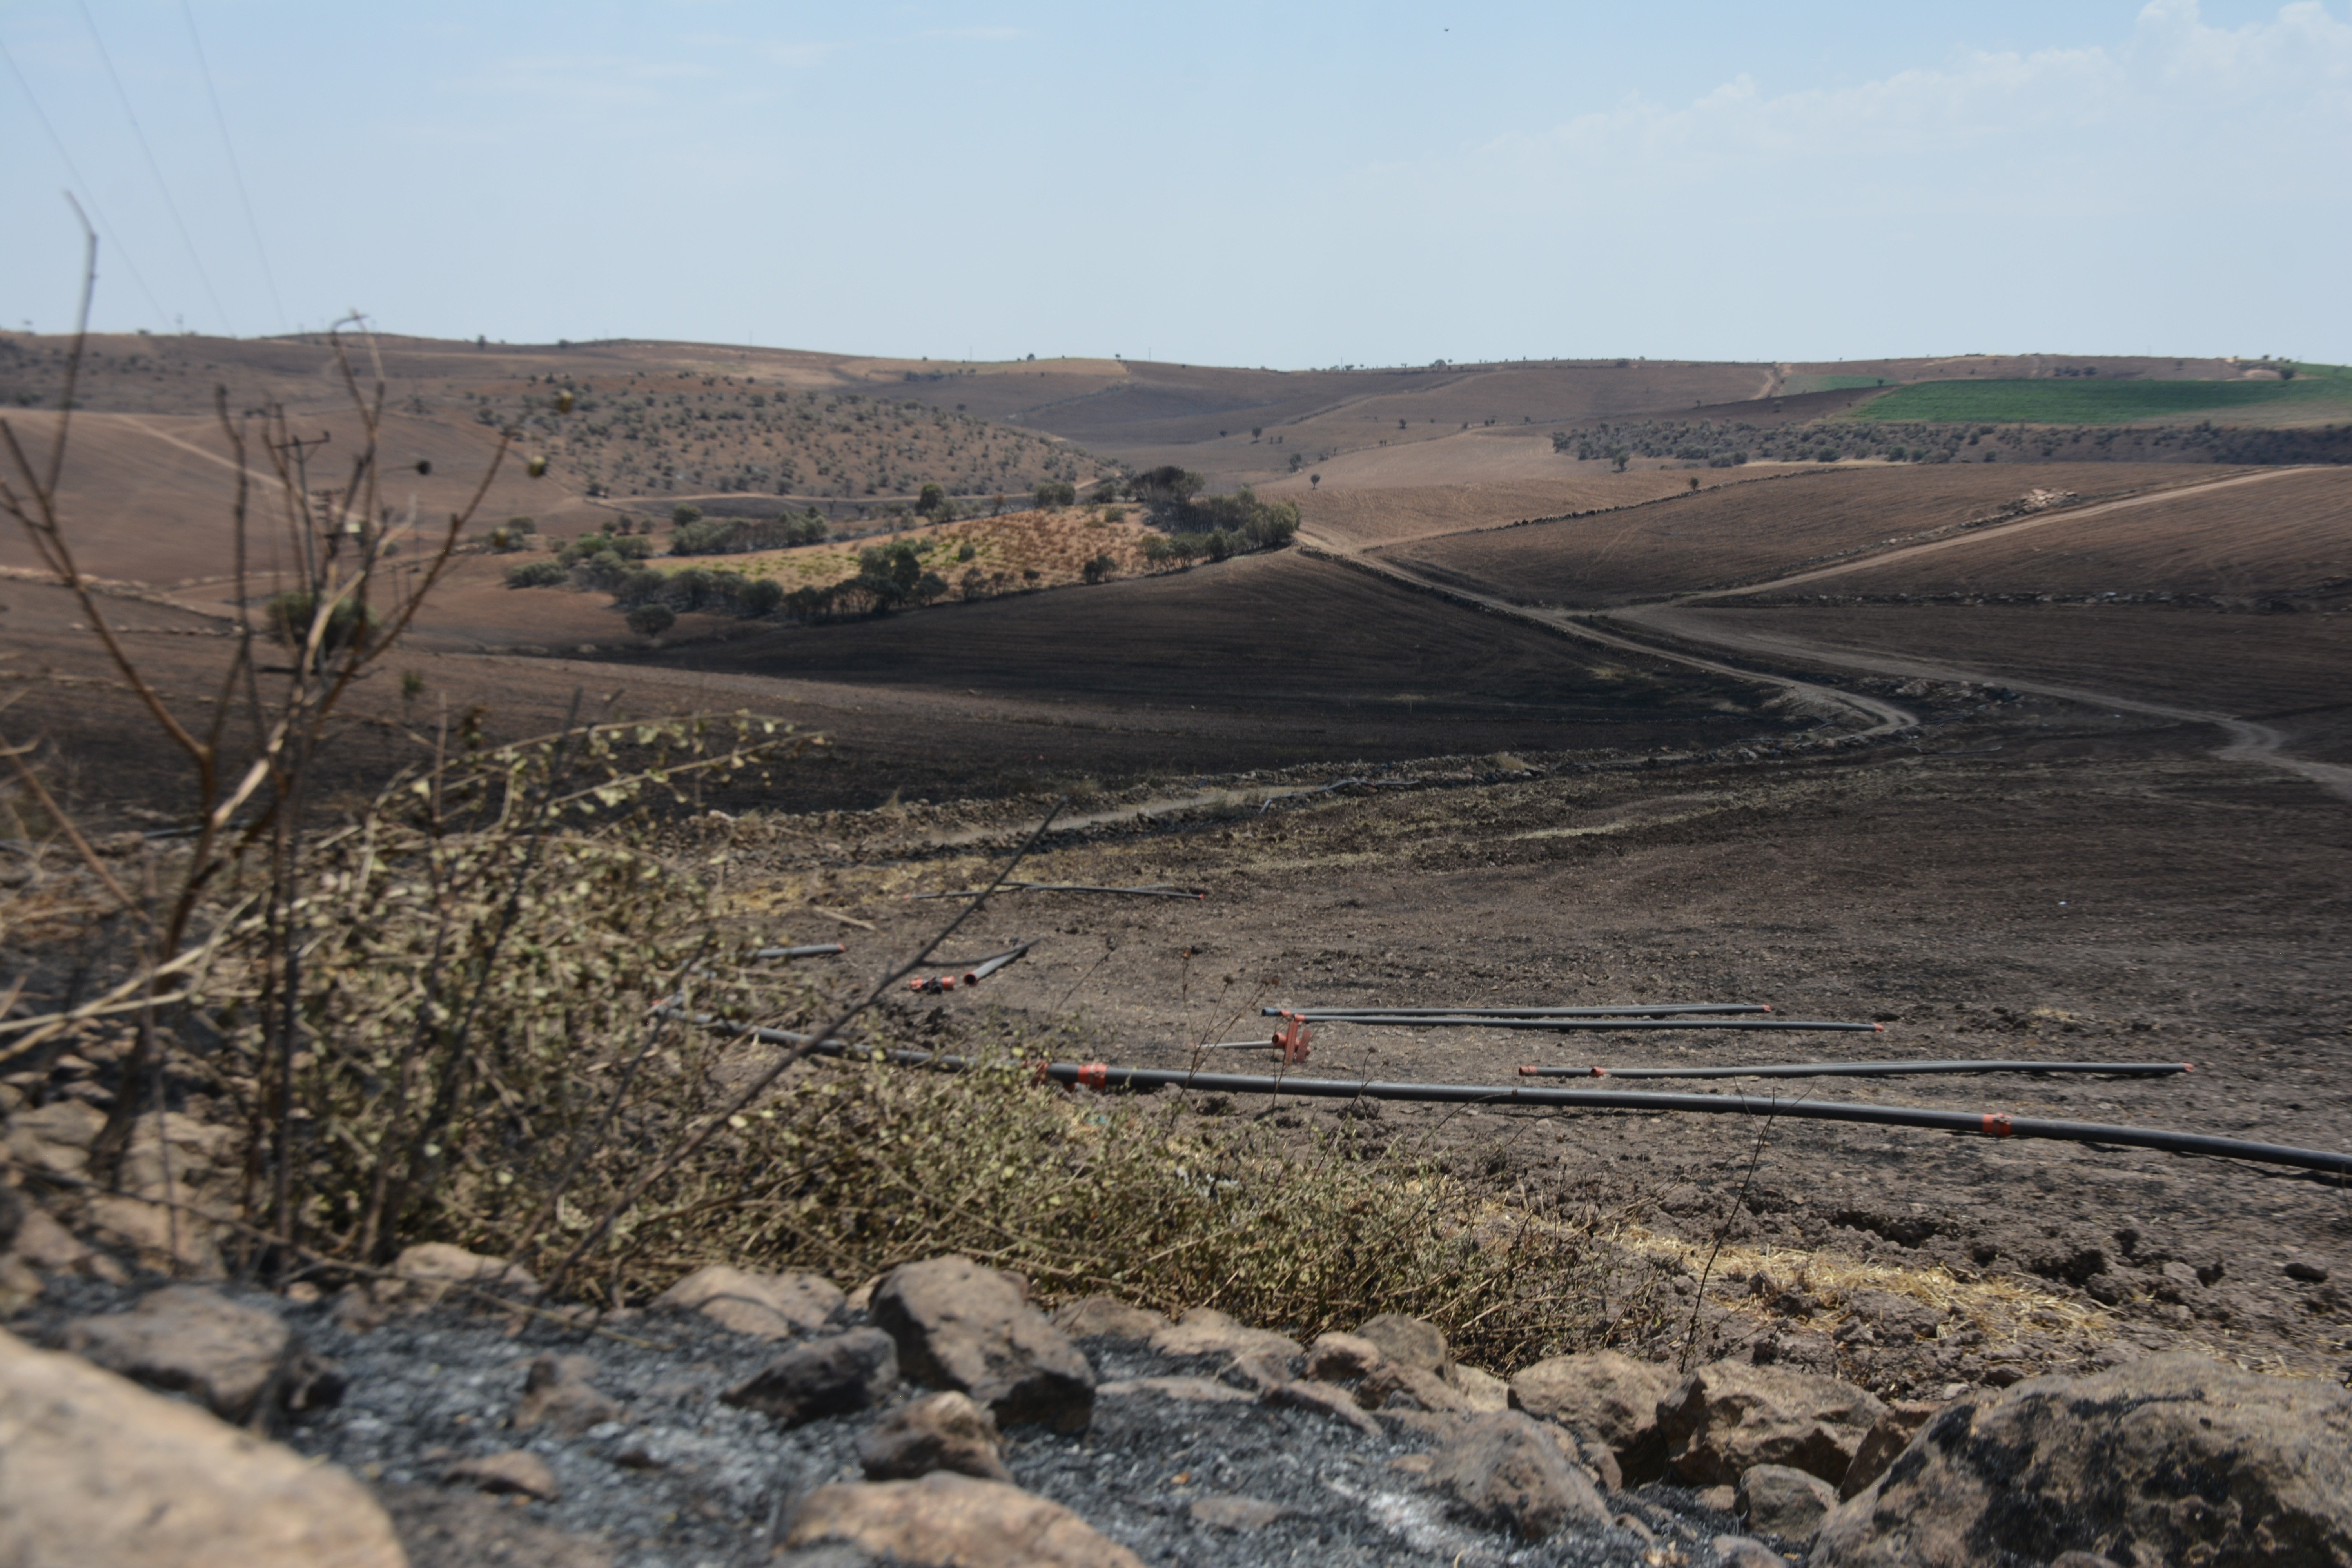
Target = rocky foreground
(938,1417)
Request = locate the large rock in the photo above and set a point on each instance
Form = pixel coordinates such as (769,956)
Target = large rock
(1603,1397)
(1341,1358)
(1205,1331)
(1730,1415)
(1396,1384)
(1108,1317)
(943,1432)
(2173,1458)
(1777,1500)
(968,1328)
(1410,1341)
(98,1471)
(1506,1473)
(832,1376)
(765,1306)
(230,1357)
(1889,1437)
(422,1275)
(947,1520)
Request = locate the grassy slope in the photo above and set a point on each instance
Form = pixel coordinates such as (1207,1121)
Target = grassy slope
(2087,402)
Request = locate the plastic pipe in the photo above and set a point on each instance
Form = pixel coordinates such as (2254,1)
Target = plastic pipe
(1869,1070)
(1993,1124)
(814,949)
(1455,1021)
(1314,1014)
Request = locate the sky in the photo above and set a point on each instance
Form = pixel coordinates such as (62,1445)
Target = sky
(1288,185)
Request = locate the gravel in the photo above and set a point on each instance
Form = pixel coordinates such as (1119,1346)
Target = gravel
(685,1480)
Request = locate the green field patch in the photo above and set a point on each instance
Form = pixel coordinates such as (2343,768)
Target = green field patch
(1796,385)
(2084,401)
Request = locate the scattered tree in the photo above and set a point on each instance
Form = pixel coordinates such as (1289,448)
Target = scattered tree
(651,620)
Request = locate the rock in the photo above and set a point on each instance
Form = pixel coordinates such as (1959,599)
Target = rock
(1341,1358)
(765,1306)
(1106,1317)
(1730,1415)
(1481,1390)
(2308,1271)
(1201,1389)
(1503,1472)
(164,1242)
(1205,1331)
(966,1327)
(1887,1437)
(100,1471)
(2083,1560)
(1745,1552)
(1602,1396)
(459,1530)
(20,1284)
(44,1244)
(192,1341)
(1392,1383)
(947,1520)
(1323,1399)
(830,1376)
(1600,1459)
(515,1470)
(56,1137)
(355,1311)
(1406,1341)
(1236,1513)
(557,1395)
(943,1432)
(2171,1459)
(423,1274)
(1777,1500)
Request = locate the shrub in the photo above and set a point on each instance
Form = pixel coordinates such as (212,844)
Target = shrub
(684,513)
(1052,493)
(290,616)
(1099,569)
(761,597)
(652,620)
(536,574)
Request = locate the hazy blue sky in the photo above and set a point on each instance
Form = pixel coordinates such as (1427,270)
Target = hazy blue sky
(1243,184)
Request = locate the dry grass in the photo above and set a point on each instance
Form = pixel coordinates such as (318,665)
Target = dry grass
(1056,545)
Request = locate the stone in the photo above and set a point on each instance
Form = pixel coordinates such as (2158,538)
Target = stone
(942,1431)
(2171,1459)
(164,1242)
(100,1471)
(1730,1415)
(1200,1390)
(445,1529)
(1481,1390)
(1774,1500)
(1888,1436)
(54,1137)
(1106,1317)
(1205,1331)
(356,1311)
(1322,1399)
(1396,1384)
(1602,1396)
(1744,1551)
(422,1275)
(1341,1358)
(557,1395)
(2083,1560)
(1601,1461)
(44,1244)
(947,1520)
(2305,1270)
(1236,1513)
(764,1306)
(964,1327)
(1502,1471)
(834,1376)
(1409,1342)
(188,1339)
(515,1470)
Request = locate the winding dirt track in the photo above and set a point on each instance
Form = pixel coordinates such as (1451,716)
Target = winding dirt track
(2249,739)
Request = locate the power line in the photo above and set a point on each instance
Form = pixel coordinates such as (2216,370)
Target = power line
(236,171)
(90,192)
(155,169)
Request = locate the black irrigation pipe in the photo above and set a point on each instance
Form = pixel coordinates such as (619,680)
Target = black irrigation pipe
(1869,1070)
(1344,1014)
(975,975)
(814,949)
(1151,891)
(1455,1021)
(1989,1124)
